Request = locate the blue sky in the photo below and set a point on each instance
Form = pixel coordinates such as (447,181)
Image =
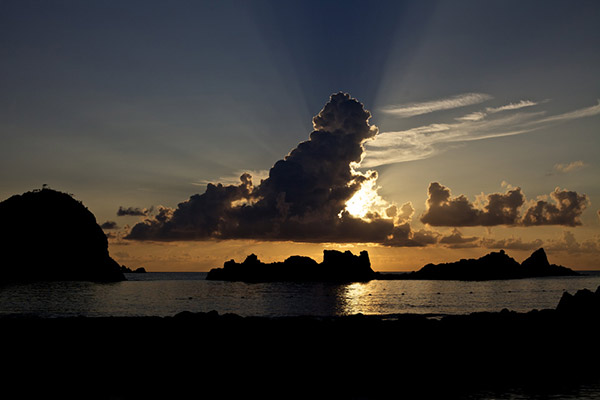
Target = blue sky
(141,103)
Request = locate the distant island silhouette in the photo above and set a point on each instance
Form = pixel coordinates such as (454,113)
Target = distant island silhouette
(346,267)
(48,235)
(336,267)
(492,266)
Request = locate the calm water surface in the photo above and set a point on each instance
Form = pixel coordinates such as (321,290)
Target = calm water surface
(585,391)
(166,294)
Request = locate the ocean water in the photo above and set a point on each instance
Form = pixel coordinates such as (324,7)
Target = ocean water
(166,294)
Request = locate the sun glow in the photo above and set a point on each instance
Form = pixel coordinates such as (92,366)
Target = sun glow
(366,202)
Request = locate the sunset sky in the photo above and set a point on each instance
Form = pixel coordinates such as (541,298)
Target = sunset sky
(442,129)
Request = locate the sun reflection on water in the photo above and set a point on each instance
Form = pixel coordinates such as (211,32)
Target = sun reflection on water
(166,294)
(363,298)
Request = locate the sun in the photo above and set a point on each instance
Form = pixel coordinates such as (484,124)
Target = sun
(366,202)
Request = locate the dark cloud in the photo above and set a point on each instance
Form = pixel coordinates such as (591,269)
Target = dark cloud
(564,210)
(502,209)
(402,236)
(109,225)
(303,198)
(443,210)
(133,211)
(456,240)
(426,237)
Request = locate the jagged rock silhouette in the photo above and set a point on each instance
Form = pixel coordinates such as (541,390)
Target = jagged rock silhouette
(346,267)
(336,267)
(492,266)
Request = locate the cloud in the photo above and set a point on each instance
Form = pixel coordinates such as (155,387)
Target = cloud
(511,106)
(234,178)
(581,113)
(474,116)
(426,141)
(569,167)
(316,194)
(502,209)
(511,244)
(564,210)
(133,211)
(405,214)
(304,197)
(569,243)
(109,225)
(426,237)
(479,115)
(456,240)
(443,210)
(412,109)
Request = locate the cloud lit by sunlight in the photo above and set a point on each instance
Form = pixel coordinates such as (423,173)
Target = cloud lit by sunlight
(425,141)
(367,202)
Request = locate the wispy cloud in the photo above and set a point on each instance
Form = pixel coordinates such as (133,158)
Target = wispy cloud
(426,141)
(475,116)
(412,109)
(511,106)
(479,115)
(581,113)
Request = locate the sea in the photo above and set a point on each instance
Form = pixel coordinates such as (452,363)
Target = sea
(169,293)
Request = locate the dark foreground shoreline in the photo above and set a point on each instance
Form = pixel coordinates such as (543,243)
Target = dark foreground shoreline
(207,355)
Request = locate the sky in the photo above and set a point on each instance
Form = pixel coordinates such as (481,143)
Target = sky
(201,131)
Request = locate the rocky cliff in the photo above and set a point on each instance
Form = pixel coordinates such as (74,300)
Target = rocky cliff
(48,235)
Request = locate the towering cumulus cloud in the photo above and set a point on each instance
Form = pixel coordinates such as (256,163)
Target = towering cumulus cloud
(303,199)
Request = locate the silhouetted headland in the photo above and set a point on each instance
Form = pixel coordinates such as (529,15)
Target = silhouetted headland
(48,235)
(492,266)
(336,267)
(140,270)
